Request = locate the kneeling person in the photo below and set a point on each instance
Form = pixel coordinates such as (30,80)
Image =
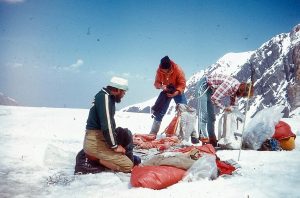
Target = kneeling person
(111,146)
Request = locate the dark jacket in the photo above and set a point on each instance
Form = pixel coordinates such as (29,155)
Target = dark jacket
(101,116)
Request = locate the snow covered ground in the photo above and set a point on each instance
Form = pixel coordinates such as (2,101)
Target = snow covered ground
(39,145)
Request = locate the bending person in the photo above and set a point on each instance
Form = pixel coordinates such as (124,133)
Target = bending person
(211,89)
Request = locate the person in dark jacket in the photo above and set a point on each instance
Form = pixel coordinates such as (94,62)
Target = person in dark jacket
(112,147)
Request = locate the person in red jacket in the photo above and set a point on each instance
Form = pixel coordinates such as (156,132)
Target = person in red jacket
(171,79)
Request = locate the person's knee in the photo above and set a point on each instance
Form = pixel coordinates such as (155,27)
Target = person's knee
(127,168)
(119,167)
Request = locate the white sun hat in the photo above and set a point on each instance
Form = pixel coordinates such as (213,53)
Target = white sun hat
(119,83)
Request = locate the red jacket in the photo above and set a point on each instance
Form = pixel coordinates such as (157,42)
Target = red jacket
(175,76)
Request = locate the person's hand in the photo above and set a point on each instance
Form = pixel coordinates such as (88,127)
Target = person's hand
(173,94)
(164,87)
(119,149)
(228,109)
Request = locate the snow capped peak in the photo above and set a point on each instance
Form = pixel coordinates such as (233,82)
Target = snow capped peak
(195,77)
(234,59)
(143,107)
(295,34)
(231,62)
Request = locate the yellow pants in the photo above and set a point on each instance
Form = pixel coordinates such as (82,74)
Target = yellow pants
(95,146)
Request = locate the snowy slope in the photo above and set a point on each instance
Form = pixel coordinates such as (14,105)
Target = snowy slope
(39,146)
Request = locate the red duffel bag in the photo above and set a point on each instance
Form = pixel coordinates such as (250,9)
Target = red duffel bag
(282,131)
(155,177)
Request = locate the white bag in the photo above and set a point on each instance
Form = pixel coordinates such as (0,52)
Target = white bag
(187,122)
(204,167)
(261,127)
(230,129)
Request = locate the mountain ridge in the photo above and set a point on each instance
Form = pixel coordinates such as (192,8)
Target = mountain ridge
(277,74)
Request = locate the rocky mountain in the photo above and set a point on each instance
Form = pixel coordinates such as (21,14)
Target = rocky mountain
(277,74)
(5,100)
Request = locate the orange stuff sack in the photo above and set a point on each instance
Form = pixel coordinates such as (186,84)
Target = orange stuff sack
(155,177)
(172,127)
(287,143)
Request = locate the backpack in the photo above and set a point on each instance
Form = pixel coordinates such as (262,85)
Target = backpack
(230,129)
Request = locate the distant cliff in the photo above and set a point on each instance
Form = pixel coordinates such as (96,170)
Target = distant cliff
(5,100)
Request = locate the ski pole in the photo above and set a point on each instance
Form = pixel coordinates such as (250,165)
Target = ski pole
(246,110)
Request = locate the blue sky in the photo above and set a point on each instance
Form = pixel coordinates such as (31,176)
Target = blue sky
(60,53)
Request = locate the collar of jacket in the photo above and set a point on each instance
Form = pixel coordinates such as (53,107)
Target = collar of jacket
(106,90)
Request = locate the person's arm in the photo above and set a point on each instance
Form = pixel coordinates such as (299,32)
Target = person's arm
(181,81)
(106,119)
(158,81)
(233,100)
(220,93)
(181,84)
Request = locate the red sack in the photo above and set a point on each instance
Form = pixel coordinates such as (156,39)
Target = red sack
(224,168)
(171,129)
(283,131)
(155,177)
(207,148)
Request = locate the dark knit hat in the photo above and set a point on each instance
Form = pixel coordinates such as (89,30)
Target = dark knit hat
(165,63)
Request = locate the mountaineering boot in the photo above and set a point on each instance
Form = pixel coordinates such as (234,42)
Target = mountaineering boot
(204,140)
(136,160)
(194,138)
(213,141)
(211,134)
(155,127)
(86,166)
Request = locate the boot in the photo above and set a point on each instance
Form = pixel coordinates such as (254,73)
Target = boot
(204,140)
(155,127)
(213,141)
(211,133)
(194,138)
(136,160)
(86,166)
